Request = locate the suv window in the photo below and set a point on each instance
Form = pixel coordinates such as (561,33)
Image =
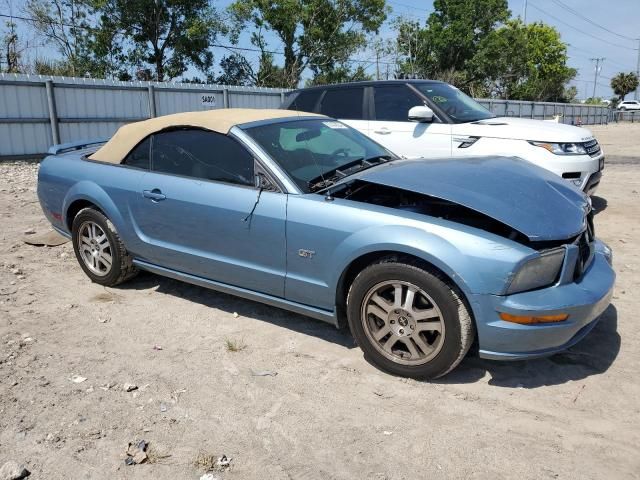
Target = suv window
(139,156)
(392,102)
(343,103)
(306,101)
(202,154)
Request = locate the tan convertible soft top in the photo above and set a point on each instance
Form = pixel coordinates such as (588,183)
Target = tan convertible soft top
(221,121)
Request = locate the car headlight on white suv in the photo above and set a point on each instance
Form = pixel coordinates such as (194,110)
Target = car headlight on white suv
(562,148)
(538,272)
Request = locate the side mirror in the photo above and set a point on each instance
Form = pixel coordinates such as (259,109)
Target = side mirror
(420,114)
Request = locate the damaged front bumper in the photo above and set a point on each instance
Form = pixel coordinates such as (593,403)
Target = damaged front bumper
(583,300)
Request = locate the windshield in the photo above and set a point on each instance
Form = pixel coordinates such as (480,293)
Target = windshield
(459,107)
(317,152)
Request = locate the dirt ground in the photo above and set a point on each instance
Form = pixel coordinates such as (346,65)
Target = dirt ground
(327,414)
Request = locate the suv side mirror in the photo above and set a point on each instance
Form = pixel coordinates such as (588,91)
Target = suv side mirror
(420,114)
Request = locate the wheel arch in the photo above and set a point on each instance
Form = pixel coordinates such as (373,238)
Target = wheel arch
(358,264)
(88,194)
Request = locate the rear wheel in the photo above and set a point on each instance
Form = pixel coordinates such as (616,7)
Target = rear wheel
(408,320)
(99,249)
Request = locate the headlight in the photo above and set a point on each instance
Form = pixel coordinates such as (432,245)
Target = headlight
(538,272)
(562,148)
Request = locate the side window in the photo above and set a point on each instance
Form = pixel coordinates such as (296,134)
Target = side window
(202,154)
(306,101)
(139,156)
(343,103)
(392,103)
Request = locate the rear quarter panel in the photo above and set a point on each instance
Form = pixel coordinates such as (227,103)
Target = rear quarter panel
(65,179)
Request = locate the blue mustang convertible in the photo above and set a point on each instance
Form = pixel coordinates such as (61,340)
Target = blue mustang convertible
(419,258)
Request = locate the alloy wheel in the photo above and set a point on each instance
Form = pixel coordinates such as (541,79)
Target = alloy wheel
(95,249)
(403,322)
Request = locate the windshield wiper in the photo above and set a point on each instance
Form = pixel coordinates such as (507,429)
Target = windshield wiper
(332,176)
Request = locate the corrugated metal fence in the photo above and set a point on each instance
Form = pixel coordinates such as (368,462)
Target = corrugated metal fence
(38,111)
(569,113)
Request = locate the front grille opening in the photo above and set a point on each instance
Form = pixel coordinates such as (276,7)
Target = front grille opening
(570,175)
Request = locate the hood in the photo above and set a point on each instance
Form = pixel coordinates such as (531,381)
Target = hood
(529,199)
(523,129)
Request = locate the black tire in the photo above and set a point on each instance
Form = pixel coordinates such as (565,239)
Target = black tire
(121,268)
(457,325)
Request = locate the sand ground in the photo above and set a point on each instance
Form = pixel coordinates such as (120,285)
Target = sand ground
(327,414)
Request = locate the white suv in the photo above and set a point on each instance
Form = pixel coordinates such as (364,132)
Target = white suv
(430,119)
(629,105)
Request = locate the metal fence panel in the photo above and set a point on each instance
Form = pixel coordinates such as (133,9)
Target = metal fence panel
(36,111)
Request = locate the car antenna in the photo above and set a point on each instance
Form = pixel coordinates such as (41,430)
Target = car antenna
(255,205)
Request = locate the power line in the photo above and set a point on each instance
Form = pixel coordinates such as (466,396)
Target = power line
(217,45)
(587,19)
(582,31)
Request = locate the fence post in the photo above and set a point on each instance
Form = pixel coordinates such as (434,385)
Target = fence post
(152,101)
(225,97)
(281,98)
(53,114)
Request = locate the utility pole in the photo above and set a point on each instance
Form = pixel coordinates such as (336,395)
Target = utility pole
(637,94)
(524,13)
(597,71)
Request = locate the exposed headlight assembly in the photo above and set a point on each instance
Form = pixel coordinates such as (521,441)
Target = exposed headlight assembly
(562,148)
(540,271)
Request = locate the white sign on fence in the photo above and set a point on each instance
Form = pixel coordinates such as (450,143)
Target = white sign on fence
(208,100)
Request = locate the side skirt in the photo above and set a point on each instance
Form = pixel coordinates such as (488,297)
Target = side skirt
(317,313)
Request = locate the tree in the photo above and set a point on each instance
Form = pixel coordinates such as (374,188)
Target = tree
(624,83)
(525,62)
(64,24)
(11,50)
(165,35)
(450,38)
(318,34)
(236,70)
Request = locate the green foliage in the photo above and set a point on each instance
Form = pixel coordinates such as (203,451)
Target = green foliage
(165,35)
(624,83)
(525,62)
(450,38)
(317,34)
(11,53)
(236,70)
(474,45)
(64,24)
(594,101)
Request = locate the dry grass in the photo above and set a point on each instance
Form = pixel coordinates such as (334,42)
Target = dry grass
(234,345)
(205,462)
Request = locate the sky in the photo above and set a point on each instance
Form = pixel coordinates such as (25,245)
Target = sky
(591,28)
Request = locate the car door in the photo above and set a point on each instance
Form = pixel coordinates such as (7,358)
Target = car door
(346,104)
(391,128)
(199,212)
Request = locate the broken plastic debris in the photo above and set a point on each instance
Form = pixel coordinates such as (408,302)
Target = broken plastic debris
(136,452)
(263,373)
(157,347)
(77,378)
(223,463)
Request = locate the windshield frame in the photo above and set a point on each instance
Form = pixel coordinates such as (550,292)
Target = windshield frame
(279,168)
(440,112)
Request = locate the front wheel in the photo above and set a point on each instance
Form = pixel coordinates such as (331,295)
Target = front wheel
(408,320)
(99,249)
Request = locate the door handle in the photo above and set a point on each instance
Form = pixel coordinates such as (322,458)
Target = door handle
(383,131)
(155,195)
